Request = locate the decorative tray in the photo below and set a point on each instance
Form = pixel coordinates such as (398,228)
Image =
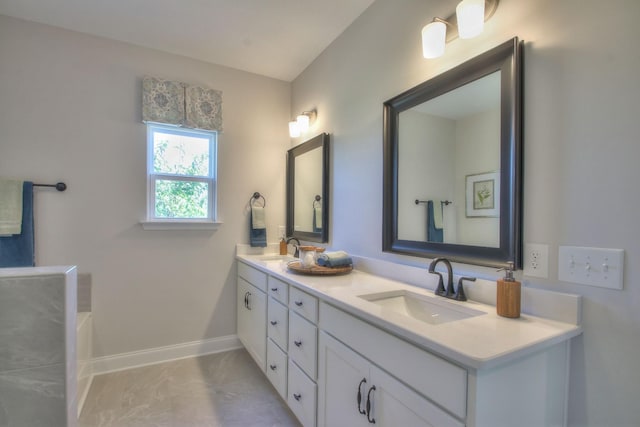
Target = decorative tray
(318,270)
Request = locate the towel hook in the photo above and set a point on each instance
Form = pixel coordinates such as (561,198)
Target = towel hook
(257,196)
(317,200)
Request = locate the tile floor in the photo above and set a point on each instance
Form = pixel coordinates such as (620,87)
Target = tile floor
(218,390)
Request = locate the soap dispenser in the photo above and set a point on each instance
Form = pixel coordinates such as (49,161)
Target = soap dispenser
(508,296)
(283,246)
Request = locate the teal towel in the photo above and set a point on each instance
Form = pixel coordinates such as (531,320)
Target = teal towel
(334,259)
(18,250)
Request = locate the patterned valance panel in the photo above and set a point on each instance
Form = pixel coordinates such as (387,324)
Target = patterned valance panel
(177,103)
(162,101)
(204,108)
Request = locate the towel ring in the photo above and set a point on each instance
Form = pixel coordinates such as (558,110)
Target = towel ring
(257,196)
(317,201)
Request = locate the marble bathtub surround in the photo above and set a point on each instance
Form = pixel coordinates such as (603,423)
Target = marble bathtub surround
(218,390)
(38,352)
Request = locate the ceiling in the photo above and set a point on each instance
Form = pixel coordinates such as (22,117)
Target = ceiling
(274,38)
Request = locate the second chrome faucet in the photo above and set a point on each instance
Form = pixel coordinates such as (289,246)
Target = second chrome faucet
(449,292)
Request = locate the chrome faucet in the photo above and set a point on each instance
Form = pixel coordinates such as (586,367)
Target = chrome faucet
(440,290)
(458,294)
(297,251)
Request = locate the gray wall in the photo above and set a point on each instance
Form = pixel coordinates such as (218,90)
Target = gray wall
(582,100)
(70,109)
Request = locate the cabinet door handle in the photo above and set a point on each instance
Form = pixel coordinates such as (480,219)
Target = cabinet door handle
(297,396)
(246,300)
(298,343)
(274,289)
(249,300)
(274,322)
(359,398)
(273,367)
(298,303)
(369,418)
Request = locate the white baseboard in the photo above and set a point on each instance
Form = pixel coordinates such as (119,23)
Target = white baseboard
(134,359)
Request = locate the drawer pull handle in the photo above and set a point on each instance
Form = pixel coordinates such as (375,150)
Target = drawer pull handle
(298,303)
(297,396)
(274,289)
(298,343)
(274,322)
(359,398)
(371,420)
(273,367)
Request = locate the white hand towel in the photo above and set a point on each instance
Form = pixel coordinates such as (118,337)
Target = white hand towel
(437,214)
(318,216)
(10,206)
(257,218)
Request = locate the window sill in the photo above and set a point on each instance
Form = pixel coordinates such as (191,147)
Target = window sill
(180,225)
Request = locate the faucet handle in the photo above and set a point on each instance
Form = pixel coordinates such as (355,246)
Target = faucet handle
(460,295)
(440,289)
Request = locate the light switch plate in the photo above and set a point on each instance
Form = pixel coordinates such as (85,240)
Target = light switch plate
(591,266)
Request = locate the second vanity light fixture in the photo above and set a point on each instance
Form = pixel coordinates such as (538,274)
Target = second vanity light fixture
(466,23)
(301,124)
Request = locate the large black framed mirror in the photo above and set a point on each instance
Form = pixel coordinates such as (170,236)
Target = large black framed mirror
(453,163)
(308,190)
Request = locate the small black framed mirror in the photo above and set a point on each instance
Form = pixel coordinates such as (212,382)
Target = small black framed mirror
(308,190)
(453,163)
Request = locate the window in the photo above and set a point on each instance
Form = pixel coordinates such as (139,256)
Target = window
(181,174)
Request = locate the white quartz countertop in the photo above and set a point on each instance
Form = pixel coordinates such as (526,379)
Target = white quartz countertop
(479,342)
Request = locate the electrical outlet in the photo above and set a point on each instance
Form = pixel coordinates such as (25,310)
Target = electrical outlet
(536,260)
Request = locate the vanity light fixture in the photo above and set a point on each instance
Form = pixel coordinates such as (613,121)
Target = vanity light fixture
(466,23)
(301,124)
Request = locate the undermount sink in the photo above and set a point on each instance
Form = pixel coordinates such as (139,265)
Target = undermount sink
(432,310)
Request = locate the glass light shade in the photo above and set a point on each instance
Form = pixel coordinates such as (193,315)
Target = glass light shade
(470,15)
(294,130)
(433,39)
(303,122)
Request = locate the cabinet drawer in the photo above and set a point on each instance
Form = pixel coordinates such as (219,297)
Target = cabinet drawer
(278,322)
(301,396)
(433,377)
(277,368)
(279,290)
(303,303)
(303,344)
(254,276)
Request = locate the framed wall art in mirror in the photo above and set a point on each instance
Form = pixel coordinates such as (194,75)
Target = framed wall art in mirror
(452,163)
(308,190)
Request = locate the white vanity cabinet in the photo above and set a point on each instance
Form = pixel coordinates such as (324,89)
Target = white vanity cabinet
(252,312)
(415,387)
(336,364)
(355,392)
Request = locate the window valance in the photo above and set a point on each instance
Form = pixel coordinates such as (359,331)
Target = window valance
(182,104)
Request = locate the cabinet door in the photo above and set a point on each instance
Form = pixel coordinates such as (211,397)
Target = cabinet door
(394,404)
(341,373)
(252,320)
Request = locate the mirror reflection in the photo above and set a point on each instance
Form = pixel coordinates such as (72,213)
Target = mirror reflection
(448,167)
(308,190)
(308,187)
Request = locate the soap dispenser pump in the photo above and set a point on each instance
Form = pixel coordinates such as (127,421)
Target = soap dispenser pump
(508,296)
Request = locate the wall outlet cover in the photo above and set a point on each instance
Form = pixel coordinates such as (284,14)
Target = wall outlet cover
(536,260)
